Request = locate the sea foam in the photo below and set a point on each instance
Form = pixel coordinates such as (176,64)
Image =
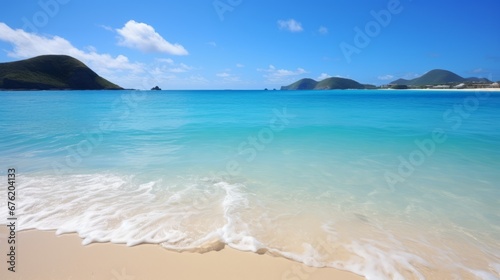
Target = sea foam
(201,215)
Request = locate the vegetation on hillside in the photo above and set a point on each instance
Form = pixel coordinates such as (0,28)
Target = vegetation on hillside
(326,84)
(51,72)
(438,77)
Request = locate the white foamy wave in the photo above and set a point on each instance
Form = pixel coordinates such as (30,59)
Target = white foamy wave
(110,208)
(185,215)
(201,215)
(381,262)
(236,231)
(382,252)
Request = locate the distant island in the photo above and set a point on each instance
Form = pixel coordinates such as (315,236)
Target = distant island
(51,72)
(434,79)
(439,78)
(62,72)
(326,84)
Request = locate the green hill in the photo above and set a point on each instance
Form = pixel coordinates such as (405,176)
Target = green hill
(51,72)
(339,83)
(304,84)
(401,82)
(326,84)
(438,77)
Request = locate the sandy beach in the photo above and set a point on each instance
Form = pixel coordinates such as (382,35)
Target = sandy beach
(43,255)
(458,90)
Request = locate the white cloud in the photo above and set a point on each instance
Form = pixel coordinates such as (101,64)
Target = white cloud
(107,28)
(324,76)
(118,69)
(141,36)
(27,45)
(386,77)
(165,60)
(170,74)
(290,25)
(168,65)
(228,77)
(275,75)
(323,30)
(239,65)
(173,81)
(212,44)
(181,68)
(223,75)
(91,49)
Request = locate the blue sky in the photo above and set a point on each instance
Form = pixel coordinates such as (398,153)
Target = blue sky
(240,44)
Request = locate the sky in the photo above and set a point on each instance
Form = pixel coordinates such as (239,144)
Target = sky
(240,44)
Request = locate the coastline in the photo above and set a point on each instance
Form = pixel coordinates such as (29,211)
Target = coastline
(322,90)
(458,90)
(43,255)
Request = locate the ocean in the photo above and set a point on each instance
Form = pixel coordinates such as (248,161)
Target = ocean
(386,184)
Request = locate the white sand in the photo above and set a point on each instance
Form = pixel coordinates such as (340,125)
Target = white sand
(43,255)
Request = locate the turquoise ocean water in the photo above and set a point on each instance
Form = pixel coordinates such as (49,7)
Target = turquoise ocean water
(386,184)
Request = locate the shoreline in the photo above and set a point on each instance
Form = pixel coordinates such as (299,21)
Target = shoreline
(456,89)
(44,255)
(322,90)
